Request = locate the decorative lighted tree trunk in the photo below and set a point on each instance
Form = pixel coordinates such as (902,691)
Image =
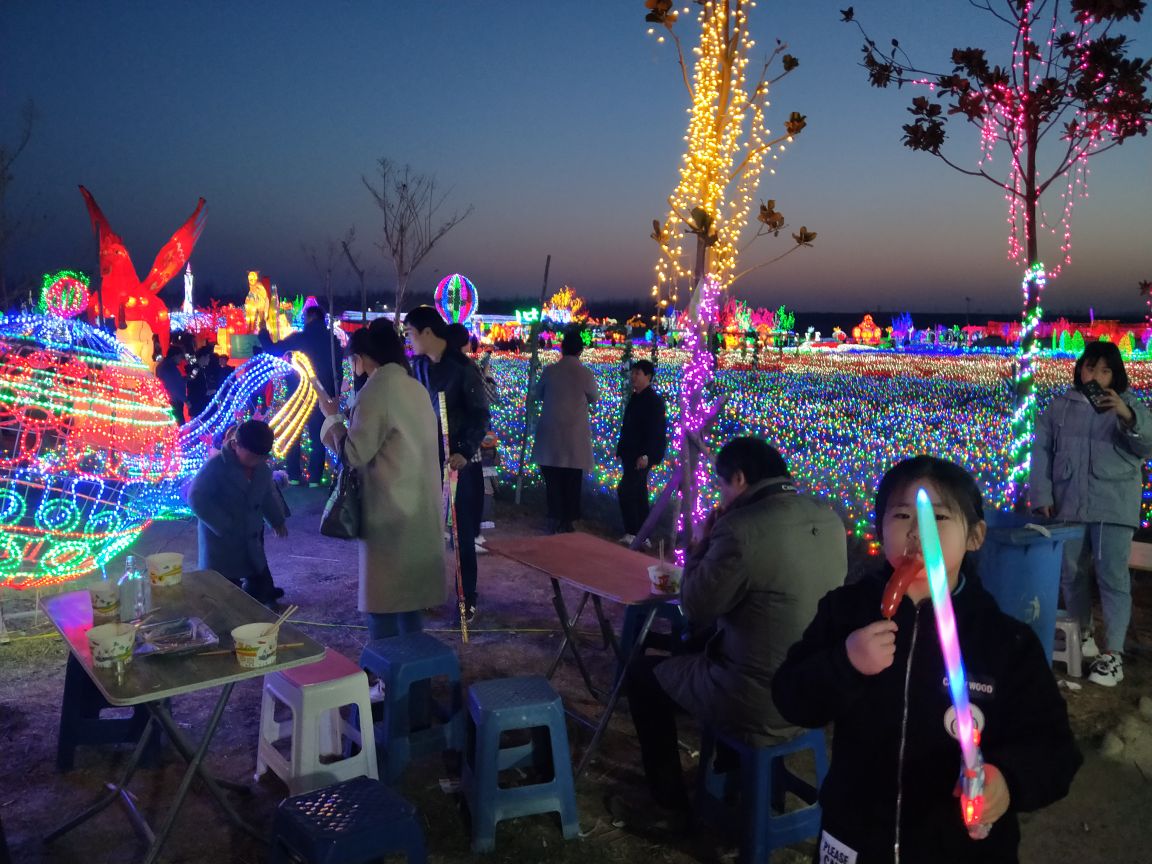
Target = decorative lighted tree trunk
(1070,84)
(729,146)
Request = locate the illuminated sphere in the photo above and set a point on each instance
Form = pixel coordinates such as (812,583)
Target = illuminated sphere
(64,293)
(456,298)
(86,434)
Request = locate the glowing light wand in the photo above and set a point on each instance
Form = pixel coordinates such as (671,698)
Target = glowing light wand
(972,771)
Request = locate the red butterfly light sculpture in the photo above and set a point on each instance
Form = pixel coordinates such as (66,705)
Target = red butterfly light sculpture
(125,297)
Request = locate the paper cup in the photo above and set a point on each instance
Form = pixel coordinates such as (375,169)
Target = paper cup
(105,597)
(253,648)
(111,644)
(665,578)
(165,568)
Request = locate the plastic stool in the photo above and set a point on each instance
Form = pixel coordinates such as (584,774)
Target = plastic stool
(353,822)
(401,662)
(510,704)
(80,721)
(763,782)
(315,693)
(1069,655)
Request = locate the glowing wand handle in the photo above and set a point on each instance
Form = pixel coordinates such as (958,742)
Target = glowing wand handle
(972,773)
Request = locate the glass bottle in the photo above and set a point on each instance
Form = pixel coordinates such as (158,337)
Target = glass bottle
(135,590)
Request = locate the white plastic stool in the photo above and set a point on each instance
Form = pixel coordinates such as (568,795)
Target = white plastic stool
(315,694)
(1069,655)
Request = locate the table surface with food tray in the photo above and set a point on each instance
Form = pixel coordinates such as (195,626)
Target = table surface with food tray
(184,645)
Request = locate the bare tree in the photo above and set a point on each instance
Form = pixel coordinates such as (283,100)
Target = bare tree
(12,225)
(409,203)
(346,245)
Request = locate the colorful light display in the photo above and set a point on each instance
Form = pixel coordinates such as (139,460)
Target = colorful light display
(64,294)
(123,295)
(456,299)
(89,454)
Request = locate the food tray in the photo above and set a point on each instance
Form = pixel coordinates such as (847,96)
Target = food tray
(178,636)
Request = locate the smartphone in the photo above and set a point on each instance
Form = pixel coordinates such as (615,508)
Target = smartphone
(315,382)
(1095,395)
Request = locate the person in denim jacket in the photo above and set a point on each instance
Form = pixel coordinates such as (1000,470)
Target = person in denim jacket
(1086,467)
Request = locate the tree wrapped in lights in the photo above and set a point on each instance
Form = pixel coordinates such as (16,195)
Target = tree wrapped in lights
(728,147)
(1070,83)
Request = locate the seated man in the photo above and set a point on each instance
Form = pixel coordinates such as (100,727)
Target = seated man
(762,562)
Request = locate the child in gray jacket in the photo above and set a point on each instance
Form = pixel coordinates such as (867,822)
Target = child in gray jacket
(1086,467)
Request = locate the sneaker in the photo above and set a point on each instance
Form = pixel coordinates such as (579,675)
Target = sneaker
(376,692)
(1108,670)
(1088,649)
(470,614)
(481,539)
(480,550)
(647,544)
(627,539)
(487,524)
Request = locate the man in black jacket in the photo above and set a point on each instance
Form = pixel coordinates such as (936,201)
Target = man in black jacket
(444,369)
(643,439)
(323,350)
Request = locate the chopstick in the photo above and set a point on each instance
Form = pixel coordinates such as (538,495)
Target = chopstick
(284,616)
(231,650)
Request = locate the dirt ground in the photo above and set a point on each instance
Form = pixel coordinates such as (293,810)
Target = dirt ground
(1104,819)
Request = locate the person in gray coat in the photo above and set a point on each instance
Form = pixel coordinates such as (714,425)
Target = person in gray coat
(764,560)
(563,443)
(1086,467)
(232,496)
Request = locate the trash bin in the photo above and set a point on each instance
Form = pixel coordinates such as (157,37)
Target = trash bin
(1020,567)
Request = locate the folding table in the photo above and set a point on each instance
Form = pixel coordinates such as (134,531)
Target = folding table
(149,680)
(600,570)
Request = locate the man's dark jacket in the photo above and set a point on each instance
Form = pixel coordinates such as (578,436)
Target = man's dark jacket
(644,430)
(319,345)
(459,379)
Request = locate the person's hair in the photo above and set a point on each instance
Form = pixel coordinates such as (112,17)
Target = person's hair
(256,436)
(958,489)
(457,336)
(174,352)
(646,367)
(427,318)
(380,342)
(1094,352)
(754,456)
(572,345)
(205,351)
(314,312)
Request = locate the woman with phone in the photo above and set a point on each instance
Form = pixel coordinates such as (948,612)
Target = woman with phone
(1091,444)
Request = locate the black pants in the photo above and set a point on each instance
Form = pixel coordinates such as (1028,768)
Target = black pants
(563,487)
(633,494)
(654,714)
(316,457)
(469,504)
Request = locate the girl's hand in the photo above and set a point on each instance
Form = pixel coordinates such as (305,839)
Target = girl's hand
(872,648)
(327,405)
(996,799)
(1113,402)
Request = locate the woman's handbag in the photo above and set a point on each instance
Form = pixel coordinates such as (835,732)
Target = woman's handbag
(341,517)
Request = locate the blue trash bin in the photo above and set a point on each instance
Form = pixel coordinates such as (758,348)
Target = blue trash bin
(1020,567)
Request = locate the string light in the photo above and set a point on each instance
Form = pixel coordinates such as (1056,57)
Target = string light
(456,298)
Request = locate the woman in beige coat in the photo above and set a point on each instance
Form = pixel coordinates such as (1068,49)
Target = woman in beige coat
(390,440)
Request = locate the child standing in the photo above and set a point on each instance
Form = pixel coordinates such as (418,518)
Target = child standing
(232,496)
(1086,467)
(890,791)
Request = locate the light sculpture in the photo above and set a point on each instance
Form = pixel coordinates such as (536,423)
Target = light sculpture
(456,299)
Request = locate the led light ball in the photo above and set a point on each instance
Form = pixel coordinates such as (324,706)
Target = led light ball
(85,432)
(456,299)
(64,293)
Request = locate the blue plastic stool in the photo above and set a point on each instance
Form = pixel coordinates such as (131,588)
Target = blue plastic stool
(352,822)
(401,662)
(80,721)
(760,783)
(514,704)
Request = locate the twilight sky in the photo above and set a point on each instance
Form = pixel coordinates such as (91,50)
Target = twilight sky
(561,123)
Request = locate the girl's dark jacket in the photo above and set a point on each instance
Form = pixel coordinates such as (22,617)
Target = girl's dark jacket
(1026,733)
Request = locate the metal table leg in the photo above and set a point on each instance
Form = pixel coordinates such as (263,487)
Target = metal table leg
(614,696)
(116,792)
(569,639)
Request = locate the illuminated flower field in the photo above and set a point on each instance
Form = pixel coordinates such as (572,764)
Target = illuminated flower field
(839,418)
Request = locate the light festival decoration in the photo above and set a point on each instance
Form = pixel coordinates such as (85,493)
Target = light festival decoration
(456,299)
(972,773)
(64,294)
(89,454)
(1024,411)
(123,295)
(188,307)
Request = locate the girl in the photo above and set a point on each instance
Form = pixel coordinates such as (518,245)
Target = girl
(1086,464)
(895,765)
